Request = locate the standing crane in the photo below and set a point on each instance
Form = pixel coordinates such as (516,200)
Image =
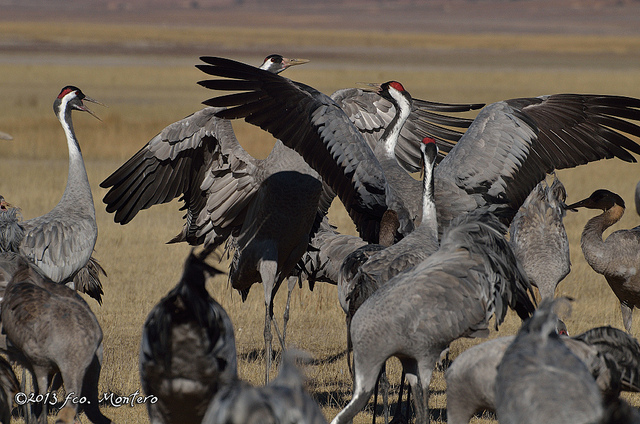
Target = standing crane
(510,146)
(369,267)
(617,257)
(386,263)
(188,350)
(418,313)
(539,239)
(61,241)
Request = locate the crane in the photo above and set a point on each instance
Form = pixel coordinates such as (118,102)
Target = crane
(540,380)
(12,233)
(283,400)
(50,329)
(61,241)
(418,313)
(618,256)
(539,239)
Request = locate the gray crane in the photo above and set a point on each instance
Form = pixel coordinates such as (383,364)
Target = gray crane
(369,267)
(61,241)
(188,350)
(611,356)
(506,151)
(539,239)
(51,329)
(540,380)
(418,313)
(283,401)
(617,257)
(397,258)
(12,233)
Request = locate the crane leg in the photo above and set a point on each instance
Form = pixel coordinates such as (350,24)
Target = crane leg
(364,383)
(627,314)
(398,417)
(267,270)
(285,318)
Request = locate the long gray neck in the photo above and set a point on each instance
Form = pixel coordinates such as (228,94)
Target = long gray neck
(78,189)
(389,138)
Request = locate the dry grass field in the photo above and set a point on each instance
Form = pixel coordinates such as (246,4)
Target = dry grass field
(146,92)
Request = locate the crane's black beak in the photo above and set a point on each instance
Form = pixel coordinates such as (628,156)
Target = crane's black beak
(584,203)
(566,207)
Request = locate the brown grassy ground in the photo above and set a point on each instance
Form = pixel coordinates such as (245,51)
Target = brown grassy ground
(147,92)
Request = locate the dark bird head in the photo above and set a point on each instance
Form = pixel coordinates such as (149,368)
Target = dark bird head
(71,98)
(599,199)
(276,63)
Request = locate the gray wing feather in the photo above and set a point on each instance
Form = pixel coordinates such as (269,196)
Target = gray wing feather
(53,246)
(513,144)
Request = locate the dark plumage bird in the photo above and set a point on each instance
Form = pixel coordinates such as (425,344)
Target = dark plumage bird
(617,257)
(188,350)
(9,386)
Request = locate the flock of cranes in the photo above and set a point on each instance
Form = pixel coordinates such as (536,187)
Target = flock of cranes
(430,264)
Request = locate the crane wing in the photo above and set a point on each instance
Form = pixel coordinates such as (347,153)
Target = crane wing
(314,125)
(198,158)
(371,114)
(513,144)
(54,246)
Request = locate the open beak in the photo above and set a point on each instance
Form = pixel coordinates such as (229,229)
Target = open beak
(372,86)
(293,62)
(86,109)
(581,204)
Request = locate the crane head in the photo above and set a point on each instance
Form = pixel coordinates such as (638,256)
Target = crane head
(72,97)
(276,63)
(599,199)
